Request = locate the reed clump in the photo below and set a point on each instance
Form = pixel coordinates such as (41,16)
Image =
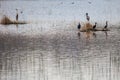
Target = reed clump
(86,26)
(6,20)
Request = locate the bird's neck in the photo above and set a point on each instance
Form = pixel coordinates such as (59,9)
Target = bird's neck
(106,24)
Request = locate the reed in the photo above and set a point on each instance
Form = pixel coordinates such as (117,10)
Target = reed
(5,20)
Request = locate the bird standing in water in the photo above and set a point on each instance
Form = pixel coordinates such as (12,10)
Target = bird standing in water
(16,14)
(106,25)
(79,26)
(94,25)
(87,17)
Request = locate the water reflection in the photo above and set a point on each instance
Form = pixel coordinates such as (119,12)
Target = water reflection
(91,34)
(94,35)
(106,34)
(88,35)
(78,35)
(59,55)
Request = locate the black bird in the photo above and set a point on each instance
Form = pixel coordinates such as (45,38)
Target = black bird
(79,26)
(16,14)
(87,17)
(106,25)
(94,25)
(21,12)
(89,2)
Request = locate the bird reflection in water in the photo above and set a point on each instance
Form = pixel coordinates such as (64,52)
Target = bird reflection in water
(78,35)
(16,27)
(94,35)
(106,34)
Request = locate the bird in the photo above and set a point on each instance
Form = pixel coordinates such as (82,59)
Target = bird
(79,26)
(72,2)
(89,2)
(105,27)
(21,12)
(87,17)
(94,25)
(16,14)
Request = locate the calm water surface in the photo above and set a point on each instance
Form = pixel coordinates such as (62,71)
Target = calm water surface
(56,50)
(62,54)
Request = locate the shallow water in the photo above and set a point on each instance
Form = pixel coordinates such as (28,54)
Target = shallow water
(56,50)
(62,54)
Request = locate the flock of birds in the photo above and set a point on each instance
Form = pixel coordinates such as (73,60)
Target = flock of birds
(79,25)
(94,26)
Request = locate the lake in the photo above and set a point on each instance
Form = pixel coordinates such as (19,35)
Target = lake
(51,48)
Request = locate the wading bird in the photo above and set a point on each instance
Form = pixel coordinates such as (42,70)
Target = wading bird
(94,25)
(87,17)
(106,25)
(79,26)
(16,14)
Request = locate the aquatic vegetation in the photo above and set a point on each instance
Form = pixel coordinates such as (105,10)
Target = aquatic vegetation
(6,20)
